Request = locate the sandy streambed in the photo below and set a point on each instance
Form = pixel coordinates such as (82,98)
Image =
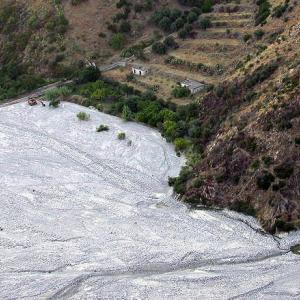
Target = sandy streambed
(87,216)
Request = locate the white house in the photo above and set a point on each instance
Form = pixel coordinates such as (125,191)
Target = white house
(140,70)
(193,85)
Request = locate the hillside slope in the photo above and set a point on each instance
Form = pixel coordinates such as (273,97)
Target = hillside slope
(252,157)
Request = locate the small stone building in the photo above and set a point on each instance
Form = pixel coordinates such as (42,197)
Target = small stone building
(193,85)
(140,70)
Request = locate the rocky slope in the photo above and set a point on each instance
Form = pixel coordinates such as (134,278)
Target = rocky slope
(252,158)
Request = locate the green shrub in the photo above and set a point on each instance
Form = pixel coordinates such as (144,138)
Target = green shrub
(54,96)
(102,128)
(127,114)
(183,33)
(83,116)
(77,2)
(276,187)
(159,48)
(89,74)
(296,249)
(259,34)
(267,160)
(279,10)
(100,107)
(170,42)
(247,37)
(265,180)
(197,182)
(204,23)
(117,41)
(179,183)
(121,135)
(181,144)
(125,27)
(255,164)
(284,226)
(180,92)
(54,103)
(243,207)
(263,12)
(284,170)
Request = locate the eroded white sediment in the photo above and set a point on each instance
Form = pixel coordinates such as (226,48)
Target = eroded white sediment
(86,216)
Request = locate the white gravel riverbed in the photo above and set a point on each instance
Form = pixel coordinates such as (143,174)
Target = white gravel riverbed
(84,215)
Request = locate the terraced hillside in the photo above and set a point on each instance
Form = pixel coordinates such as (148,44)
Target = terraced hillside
(207,57)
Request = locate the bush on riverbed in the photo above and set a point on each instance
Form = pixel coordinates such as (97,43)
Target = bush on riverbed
(121,136)
(102,128)
(83,116)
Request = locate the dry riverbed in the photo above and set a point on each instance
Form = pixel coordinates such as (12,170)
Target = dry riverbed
(85,215)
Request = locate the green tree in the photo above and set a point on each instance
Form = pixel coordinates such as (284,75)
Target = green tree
(89,74)
(181,144)
(127,114)
(180,92)
(159,48)
(117,41)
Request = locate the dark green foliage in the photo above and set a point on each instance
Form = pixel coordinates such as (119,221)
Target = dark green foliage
(207,6)
(173,122)
(117,41)
(278,186)
(125,27)
(279,10)
(284,226)
(192,17)
(121,136)
(159,48)
(183,33)
(54,103)
(15,80)
(247,37)
(181,144)
(137,50)
(173,20)
(243,207)
(195,67)
(263,12)
(179,183)
(83,116)
(180,92)
(265,180)
(204,23)
(197,182)
(102,128)
(296,249)
(284,170)
(127,114)
(255,164)
(259,34)
(89,74)
(77,2)
(170,42)
(267,160)
(145,6)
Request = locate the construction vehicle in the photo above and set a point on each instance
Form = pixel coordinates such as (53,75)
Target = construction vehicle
(34,100)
